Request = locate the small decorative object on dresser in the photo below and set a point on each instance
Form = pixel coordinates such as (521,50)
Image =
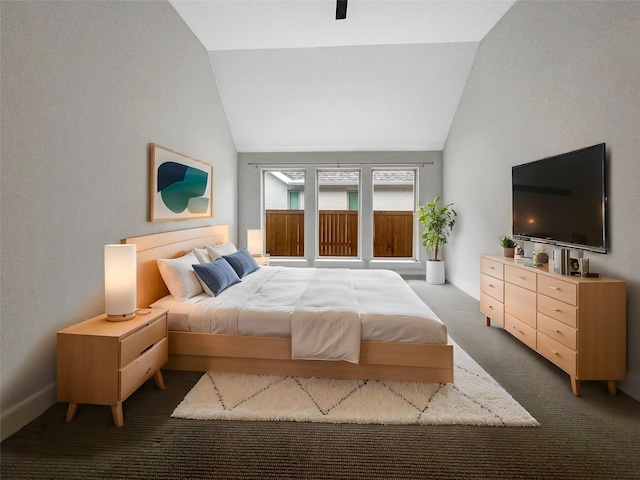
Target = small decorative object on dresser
(102,363)
(508,246)
(519,252)
(579,324)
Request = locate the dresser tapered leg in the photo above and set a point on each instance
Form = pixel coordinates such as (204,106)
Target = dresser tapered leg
(71,411)
(611,385)
(575,386)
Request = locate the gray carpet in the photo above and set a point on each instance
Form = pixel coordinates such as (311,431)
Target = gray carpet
(595,436)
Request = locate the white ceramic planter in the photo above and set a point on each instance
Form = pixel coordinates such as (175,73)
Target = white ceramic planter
(435,272)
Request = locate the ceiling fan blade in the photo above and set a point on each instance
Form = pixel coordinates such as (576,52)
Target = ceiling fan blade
(341,9)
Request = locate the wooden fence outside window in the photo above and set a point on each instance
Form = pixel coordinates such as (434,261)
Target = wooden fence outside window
(338,233)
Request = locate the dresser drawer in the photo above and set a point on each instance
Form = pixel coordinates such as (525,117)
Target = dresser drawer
(492,287)
(492,308)
(520,303)
(520,276)
(558,289)
(561,311)
(491,267)
(138,341)
(557,353)
(558,331)
(521,331)
(139,370)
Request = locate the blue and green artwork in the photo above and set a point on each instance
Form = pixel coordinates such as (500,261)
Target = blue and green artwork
(182,188)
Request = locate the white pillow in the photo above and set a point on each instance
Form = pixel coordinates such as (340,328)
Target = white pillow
(179,276)
(201,254)
(216,251)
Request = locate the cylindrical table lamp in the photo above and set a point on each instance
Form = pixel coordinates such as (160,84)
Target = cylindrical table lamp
(120,282)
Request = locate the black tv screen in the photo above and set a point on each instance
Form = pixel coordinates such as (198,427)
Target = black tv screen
(562,200)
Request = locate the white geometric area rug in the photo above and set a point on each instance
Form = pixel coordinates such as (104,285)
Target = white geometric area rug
(474,399)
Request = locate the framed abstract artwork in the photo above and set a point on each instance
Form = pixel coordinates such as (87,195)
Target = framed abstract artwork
(181,186)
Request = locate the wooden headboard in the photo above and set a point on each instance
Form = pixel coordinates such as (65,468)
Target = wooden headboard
(151,287)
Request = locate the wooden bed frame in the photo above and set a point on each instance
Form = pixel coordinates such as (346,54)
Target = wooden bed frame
(270,355)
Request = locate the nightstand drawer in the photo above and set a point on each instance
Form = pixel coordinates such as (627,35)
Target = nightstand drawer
(558,331)
(492,287)
(138,371)
(558,289)
(559,310)
(141,339)
(491,267)
(557,353)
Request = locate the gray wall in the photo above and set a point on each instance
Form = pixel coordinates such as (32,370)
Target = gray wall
(549,78)
(86,86)
(249,210)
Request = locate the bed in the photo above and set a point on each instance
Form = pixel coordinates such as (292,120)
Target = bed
(242,345)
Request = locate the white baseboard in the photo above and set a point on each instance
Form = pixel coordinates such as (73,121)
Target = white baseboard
(468,288)
(16,417)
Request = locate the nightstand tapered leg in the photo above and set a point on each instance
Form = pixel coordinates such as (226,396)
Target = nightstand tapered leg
(159,380)
(118,418)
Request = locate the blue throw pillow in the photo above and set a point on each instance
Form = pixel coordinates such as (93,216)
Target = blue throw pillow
(216,275)
(242,262)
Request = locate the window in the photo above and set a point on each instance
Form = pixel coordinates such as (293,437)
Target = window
(353,200)
(284,212)
(338,211)
(393,213)
(293,200)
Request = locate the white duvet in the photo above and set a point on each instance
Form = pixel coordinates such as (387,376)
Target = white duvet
(325,312)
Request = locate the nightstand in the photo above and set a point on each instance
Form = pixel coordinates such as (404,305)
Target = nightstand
(102,362)
(262,261)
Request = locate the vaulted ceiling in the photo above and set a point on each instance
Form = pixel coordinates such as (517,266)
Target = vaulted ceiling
(293,78)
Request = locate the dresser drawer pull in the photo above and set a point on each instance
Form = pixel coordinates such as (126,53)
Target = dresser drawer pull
(556,309)
(489,305)
(555,353)
(491,285)
(554,288)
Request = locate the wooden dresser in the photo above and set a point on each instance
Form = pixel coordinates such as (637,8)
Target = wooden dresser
(578,323)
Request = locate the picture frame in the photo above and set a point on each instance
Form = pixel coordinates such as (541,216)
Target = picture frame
(181,187)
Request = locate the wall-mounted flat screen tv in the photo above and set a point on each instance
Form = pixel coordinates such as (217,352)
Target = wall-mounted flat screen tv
(562,200)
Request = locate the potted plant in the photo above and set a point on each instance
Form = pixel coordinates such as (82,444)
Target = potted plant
(438,222)
(508,246)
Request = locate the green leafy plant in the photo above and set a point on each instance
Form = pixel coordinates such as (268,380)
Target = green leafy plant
(508,242)
(438,222)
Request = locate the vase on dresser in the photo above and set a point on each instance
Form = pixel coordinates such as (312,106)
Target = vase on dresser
(508,252)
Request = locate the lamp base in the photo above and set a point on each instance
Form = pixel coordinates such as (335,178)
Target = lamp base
(121,318)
